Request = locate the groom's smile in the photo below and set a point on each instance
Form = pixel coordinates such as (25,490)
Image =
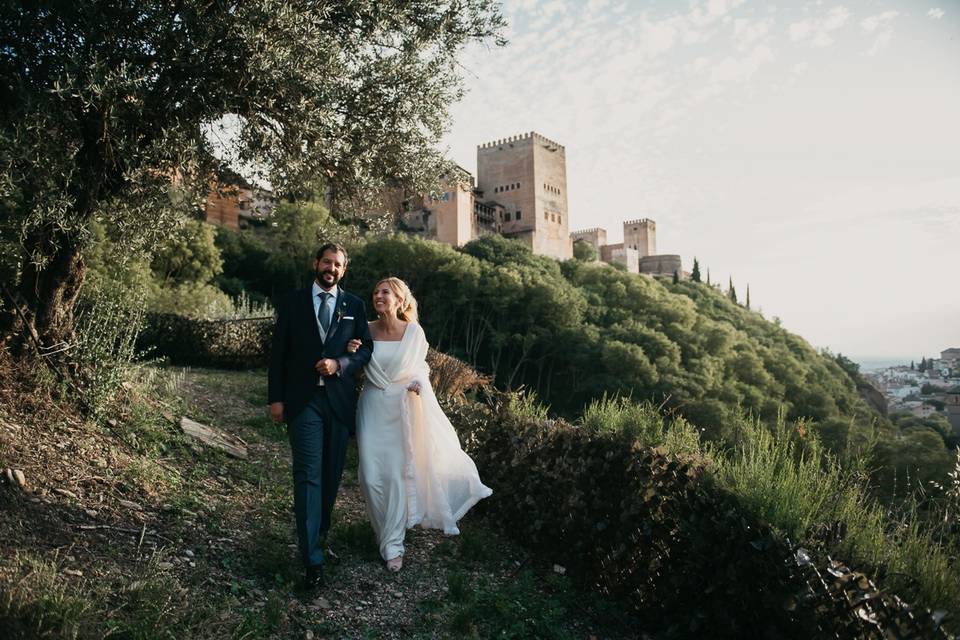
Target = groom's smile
(329,268)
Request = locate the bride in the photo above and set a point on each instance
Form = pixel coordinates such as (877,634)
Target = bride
(412,469)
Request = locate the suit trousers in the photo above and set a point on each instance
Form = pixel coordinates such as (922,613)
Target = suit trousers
(318,442)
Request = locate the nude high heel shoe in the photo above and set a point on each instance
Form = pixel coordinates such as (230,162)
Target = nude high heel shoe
(394,564)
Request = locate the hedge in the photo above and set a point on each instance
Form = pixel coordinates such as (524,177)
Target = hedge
(652,531)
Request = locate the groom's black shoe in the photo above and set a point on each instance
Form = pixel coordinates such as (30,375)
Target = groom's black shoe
(313,578)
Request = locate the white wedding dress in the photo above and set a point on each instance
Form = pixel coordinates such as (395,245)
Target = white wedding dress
(412,469)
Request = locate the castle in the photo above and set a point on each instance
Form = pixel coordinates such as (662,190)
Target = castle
(637,252)
(521,192)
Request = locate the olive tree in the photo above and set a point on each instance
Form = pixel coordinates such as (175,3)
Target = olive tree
(107,109)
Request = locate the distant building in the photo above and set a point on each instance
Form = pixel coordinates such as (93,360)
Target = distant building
(952,409)
(619,253)
(527,175)
(923,410)
(520,192)
(662,265)
(455,216)
(234,203)
(638,251)
(950,359)
(595,236)
(641,235)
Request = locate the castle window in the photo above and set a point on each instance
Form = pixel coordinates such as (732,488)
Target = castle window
(560,219)
(506,216)
(553,218)
(546,216)
(518,214)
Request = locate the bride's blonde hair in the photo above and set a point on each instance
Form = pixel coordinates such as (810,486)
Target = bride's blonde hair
(408,304)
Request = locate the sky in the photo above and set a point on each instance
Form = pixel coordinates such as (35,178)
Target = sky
(810,150)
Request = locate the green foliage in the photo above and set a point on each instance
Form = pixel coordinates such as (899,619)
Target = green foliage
(584,251)
(914,454)
(189,299)
(41,605)
(93,126)
(641,423)
(637,525)
(526,406)
(108,322)
(514,609)
(787,480)
(695,274)
(188,255)
(572,332)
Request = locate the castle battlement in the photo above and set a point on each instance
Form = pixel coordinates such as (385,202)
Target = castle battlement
(639,221)
(590,230)
(532,135)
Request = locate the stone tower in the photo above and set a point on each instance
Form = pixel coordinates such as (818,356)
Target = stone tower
(641,235)
(595,236)
(527,174)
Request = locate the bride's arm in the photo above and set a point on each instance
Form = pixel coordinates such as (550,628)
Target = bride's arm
(420,374)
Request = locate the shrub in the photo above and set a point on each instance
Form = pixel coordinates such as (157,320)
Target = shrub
(635,524)
(109,319)
(640,422)
(689,547)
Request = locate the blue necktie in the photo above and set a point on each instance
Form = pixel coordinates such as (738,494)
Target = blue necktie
(323,315)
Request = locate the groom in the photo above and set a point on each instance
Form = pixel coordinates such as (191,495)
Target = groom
(311,387)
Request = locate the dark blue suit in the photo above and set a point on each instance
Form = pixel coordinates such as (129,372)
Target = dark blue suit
(319,418)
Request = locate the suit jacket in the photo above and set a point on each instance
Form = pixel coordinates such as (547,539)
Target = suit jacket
(297,347)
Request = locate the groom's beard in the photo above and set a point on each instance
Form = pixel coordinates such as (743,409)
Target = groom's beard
(326,279)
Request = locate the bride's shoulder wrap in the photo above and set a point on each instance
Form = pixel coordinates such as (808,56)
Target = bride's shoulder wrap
(442,481)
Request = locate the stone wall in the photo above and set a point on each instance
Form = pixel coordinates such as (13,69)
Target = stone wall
(662,265)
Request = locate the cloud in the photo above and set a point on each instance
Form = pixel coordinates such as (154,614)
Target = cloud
(879,43)
(594,6)
(741,69)
(936,13)
(817,31)
(721,7)
(552,8)
(881,25)
(878,21)
(746,32)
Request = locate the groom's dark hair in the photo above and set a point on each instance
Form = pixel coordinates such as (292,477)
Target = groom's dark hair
(333,246)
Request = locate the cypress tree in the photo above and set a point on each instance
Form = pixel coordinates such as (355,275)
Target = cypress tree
(748,295)
(695,274)
(732,292)
(676,277)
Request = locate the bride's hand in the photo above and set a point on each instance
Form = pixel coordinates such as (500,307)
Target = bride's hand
(353,345)
(414,386)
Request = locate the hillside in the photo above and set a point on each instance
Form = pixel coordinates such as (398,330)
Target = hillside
(130,529)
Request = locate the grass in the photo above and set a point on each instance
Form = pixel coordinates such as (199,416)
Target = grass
(150,604)
(357,537)
(38,603)
(641,422)
(525,405)
(514,608)
(794,485)
(267,428)
(785,477)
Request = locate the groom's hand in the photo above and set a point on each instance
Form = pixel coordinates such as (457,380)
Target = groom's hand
(327,366)
(276,411)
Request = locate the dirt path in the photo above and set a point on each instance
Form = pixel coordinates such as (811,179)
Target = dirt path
(131,529)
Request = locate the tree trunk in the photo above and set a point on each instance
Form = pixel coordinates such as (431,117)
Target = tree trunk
(49,291)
